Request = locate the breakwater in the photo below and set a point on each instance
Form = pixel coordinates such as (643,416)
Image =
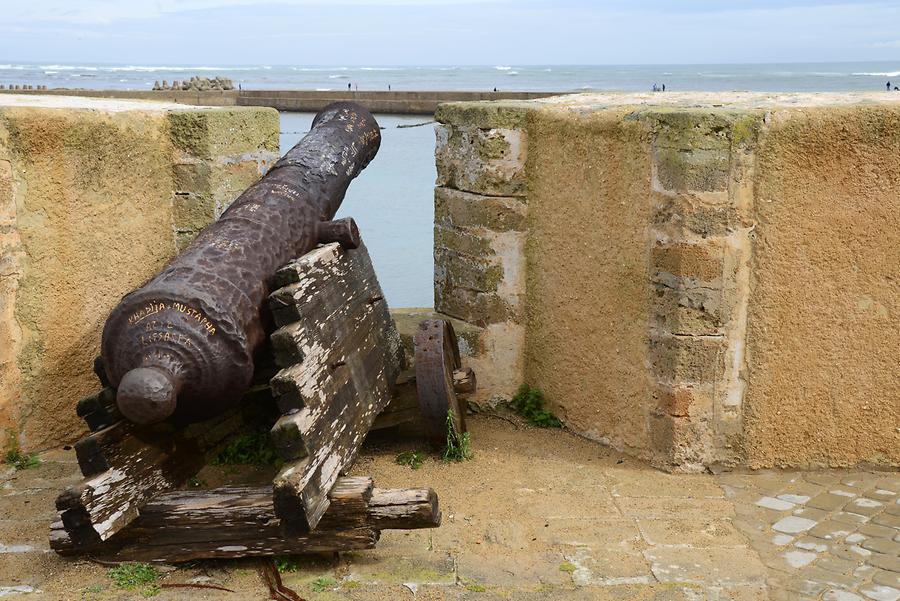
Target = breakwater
(398,103)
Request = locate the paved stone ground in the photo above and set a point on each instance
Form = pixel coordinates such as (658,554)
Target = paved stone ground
(538,514)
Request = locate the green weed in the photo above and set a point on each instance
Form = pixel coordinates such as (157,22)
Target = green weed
(567,567)
(286,563)
(529,403)
(459,446)
(476,588)
(412,459)
(20,460)
(253,448)
(322,584)
(134,575)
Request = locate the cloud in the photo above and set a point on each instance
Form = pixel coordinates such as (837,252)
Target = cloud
(101,12)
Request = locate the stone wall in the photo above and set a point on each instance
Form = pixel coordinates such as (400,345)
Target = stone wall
(479,237)
(95,197)
(710,279)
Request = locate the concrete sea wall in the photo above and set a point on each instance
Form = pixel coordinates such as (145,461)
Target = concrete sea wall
(698,279)
(403,103)
(95,197)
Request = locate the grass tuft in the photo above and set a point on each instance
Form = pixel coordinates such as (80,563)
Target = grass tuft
(322,584)
(459,446)
(567,567)
(411,459)
(21,461)
(529,403)
(134,575)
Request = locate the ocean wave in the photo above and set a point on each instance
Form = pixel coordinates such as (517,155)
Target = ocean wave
(512,72)
(381,69)
(501,68)
(336,76)
(883,74)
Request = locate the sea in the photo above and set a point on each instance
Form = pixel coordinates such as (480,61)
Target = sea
(392,200)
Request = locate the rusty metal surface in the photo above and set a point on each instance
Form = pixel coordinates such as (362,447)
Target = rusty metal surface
(183,345)
(437,357)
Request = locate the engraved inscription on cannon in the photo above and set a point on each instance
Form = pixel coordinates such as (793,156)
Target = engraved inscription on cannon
(183,345)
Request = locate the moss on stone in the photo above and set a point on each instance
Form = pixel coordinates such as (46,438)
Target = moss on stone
(206,133)
(487,114)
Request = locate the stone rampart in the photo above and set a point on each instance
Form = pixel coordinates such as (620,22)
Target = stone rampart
(698,279)
(95,197)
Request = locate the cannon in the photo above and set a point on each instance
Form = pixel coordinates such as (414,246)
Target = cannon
(182,346)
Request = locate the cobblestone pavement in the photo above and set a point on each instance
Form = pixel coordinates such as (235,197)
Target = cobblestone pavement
(538,514)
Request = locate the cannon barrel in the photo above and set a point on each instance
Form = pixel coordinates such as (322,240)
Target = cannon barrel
(183,345)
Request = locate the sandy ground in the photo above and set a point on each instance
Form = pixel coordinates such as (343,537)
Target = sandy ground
(537,514)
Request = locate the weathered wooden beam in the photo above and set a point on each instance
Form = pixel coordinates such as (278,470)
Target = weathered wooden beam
(241,522)
(404,509)
(99,409)
(127,465)
(341,355)
(464,382)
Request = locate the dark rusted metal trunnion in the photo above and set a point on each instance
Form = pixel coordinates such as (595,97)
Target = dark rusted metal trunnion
(183,345)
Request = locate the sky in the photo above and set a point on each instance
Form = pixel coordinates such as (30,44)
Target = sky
(447,32)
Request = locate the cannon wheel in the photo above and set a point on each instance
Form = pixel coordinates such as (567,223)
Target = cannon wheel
(437,357)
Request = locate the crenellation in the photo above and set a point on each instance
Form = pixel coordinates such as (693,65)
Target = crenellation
(695,217)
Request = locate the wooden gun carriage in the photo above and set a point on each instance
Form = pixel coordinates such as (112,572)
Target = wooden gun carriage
(331,369)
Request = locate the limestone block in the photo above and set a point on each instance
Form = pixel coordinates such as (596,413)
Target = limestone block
(476,261)
(688,310)
(463,209)
(684,401)
(702,261)
(687,359)
(484,161)
(224,132)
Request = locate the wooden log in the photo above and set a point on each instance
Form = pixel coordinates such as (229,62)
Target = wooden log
(404,509)
(241,522)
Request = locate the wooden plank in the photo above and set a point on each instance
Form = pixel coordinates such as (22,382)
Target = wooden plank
(350,355)
(241,522)
(333,436)
(125,466)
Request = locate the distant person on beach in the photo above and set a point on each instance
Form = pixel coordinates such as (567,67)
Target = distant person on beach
(888,86)
(348,86)
(664,87)
(655,88)
(389,87)
(356,87)
(495,88)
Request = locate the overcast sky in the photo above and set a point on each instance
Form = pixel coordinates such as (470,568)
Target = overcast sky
(446,32)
